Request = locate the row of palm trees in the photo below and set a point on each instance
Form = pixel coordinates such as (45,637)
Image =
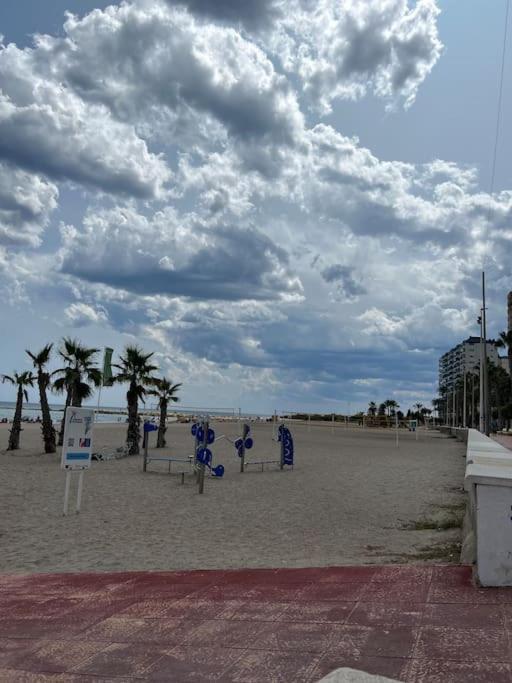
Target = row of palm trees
(390,408)
(78,378)
(387,407)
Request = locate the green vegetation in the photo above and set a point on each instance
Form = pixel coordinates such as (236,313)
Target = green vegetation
(79,377)
(22,381)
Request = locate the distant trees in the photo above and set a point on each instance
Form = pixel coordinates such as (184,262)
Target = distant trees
(391,406)
(22,381)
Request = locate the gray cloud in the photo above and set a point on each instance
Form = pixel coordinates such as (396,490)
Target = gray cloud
(343,276)
(125,250)
(176,69)
(46,129)
(253,14)
(26,202)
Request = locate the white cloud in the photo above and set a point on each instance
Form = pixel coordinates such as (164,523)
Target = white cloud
(346,48)
(81,314)
(26,202)
(46,129)
(178,256)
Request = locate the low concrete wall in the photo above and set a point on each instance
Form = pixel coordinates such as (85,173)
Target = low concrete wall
(460,433)
(488,524)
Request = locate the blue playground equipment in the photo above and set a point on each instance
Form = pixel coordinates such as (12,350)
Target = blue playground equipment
(205,436)
(201,459)
(245,443)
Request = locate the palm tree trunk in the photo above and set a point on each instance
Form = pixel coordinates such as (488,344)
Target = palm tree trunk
(133,435)
(47,426)
(62,424)
(14,437)
(162,427)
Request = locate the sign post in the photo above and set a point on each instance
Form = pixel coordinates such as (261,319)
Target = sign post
(76,449)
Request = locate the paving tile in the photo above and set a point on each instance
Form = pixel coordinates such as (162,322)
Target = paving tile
(56,656)
(381,614)
(462,644)
(465,615)
(196,608)
(370,641)
(338,592)
(294,636)
(276,593)
(435,671)
(153,608)
(362,574)
(165,632)
(12,649)
(391,667)
(112,630)
(393,592)
(453,576)
(223,633)
(16,676)
(469,594)
(59,627)
(120,659)
(253,610)
(409,573)
(164,590)
(312,611)
(274,667)
(194,664)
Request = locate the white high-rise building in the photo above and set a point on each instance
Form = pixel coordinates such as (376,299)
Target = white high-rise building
(465,357)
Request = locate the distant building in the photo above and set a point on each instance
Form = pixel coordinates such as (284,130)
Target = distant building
(464,357)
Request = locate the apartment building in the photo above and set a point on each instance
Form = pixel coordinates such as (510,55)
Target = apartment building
(464,357)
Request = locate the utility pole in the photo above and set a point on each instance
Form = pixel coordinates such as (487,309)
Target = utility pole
(484,422)
(464,402)
(486,373)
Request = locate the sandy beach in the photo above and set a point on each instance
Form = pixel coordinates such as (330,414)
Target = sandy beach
(347,501)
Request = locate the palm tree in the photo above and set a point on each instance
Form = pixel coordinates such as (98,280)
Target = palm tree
(505,342)
(135,368)
(165,391)
(25,379)
(418,407)
(77,375)
(391,405)
(372,408)
(40,360)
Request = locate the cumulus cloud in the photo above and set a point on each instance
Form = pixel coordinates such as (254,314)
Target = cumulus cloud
(177,256)
(344,49)
(48,130)
(343,277)
(26,202)
(176,68)
(81,314)
(252,15)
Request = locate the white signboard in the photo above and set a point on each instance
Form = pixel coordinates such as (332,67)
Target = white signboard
(77,445)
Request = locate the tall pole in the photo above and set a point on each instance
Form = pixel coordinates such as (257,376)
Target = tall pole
(464,402)
(453,407)
(481,423)
(486,379)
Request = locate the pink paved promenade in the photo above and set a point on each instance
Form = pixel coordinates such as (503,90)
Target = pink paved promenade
(290,625)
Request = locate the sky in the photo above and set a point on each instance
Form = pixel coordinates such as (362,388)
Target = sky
(287,201)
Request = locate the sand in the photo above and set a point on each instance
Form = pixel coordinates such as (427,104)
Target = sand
(345,502)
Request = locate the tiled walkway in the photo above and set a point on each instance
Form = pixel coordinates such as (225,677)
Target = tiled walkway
(290,625)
